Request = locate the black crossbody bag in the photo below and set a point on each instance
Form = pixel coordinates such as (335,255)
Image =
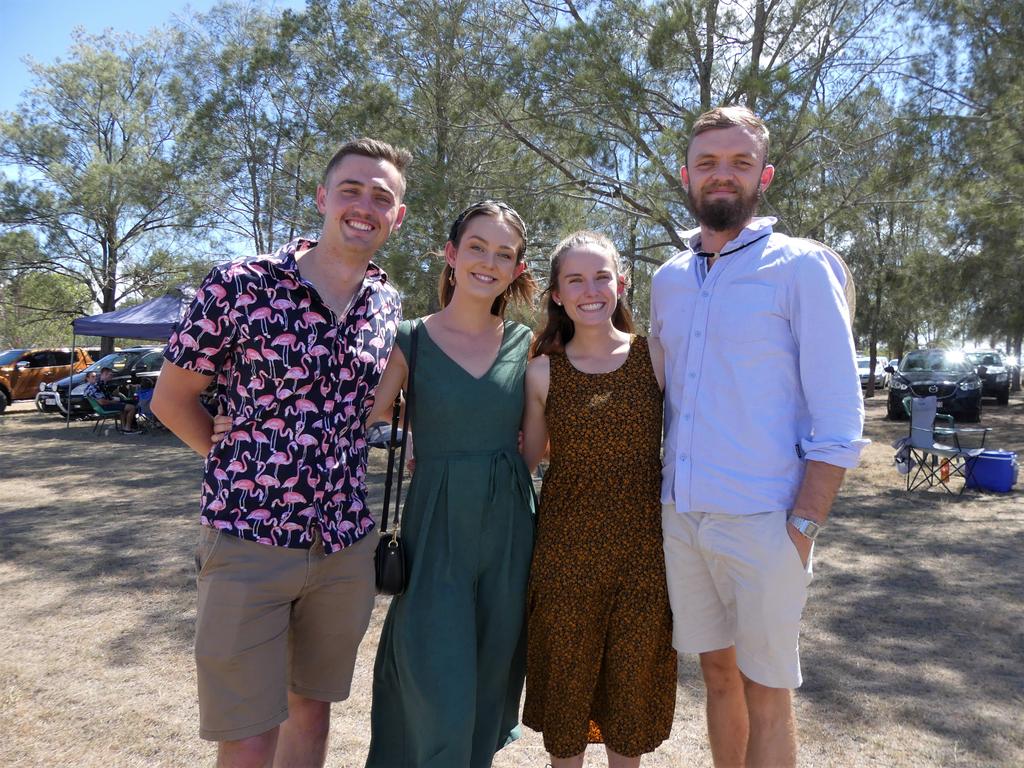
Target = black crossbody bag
(391,561)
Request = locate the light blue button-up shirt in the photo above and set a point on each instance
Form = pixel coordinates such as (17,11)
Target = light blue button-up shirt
(760,371)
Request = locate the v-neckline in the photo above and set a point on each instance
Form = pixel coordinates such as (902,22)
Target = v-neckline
(456,363)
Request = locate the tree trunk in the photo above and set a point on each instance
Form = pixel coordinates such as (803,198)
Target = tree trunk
(109,290)
(1015,375)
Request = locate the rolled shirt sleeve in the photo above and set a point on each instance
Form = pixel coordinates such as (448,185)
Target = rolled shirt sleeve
(820,319)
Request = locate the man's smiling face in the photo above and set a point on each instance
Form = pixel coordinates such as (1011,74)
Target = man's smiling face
(724,177)
(361,202)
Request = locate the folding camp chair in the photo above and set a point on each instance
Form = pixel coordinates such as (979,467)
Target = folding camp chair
(102,414)
(932,462)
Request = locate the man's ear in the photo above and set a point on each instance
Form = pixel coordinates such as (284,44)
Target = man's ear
(321,199)
(767,174)
(449,254)
(685,177)
(399,218)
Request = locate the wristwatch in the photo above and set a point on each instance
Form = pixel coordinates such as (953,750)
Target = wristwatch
(808,528)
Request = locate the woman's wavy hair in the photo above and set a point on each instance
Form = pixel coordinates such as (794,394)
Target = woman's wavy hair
(523,289)
(559,329)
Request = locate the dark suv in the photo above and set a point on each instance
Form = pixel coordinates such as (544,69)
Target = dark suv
(946,374)
(995,376)
(130,367)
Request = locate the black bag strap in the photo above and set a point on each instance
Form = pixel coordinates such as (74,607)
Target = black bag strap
(400,447)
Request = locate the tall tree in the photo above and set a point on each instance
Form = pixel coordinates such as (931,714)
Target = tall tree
(101,174)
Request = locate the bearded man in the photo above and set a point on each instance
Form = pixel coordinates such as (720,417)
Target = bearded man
(763,415)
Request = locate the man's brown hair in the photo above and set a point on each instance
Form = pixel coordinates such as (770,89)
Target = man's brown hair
(372,148)
(731,117)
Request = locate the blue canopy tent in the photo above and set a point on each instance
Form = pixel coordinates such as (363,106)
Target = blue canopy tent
(154,320)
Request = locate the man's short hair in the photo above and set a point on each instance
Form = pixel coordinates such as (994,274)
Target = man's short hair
(731,117)
(104,369)
(373,148)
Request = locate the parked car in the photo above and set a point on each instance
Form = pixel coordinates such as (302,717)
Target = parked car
(864,371)
(944,373)
(994,372)
(22,371)
(130,366)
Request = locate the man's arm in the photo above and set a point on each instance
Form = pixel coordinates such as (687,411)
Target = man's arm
(818,490)
(176,404)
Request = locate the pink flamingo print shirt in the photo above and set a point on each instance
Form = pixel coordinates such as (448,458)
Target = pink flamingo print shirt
(298,381)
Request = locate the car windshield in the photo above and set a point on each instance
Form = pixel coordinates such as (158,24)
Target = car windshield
(864,363)
(115,360)
(8,357)
(935,360)
(985,358)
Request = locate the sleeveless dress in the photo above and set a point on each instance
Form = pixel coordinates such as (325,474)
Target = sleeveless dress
(451,660)
(600,663)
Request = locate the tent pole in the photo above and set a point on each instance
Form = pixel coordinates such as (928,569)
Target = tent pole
(74,340)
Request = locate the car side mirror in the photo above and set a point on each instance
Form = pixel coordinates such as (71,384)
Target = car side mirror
(889,369)
(21,365)
(982,370)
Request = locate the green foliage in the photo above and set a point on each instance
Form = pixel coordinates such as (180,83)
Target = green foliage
(898,142)
(36,306)
(102,180)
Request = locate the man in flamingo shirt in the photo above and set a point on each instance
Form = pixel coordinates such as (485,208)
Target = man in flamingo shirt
(298,341)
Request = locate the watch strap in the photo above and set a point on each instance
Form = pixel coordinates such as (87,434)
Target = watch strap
(808,528)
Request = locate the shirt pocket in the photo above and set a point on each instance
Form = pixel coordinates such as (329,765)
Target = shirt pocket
(747,312)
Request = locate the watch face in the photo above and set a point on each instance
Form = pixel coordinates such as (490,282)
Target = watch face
(808,528)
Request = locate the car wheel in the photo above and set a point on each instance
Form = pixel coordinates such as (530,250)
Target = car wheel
(3,401)
(1003,398)
(972,417)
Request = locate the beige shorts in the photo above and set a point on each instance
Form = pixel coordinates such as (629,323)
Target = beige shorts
(737,580)
(273,619)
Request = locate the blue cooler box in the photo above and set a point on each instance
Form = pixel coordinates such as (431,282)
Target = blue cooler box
(994,471)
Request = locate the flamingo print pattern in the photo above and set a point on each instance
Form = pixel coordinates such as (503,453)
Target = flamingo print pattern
(298,382)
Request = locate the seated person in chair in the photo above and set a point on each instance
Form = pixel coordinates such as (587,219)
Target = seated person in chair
(145,397)
(103,392)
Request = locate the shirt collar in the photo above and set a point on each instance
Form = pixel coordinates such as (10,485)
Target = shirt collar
(285,257)
(756,228)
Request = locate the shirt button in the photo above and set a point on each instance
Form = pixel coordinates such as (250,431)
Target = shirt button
(682,458)
(686,417)
(692,374)
(705,294)
(696,333)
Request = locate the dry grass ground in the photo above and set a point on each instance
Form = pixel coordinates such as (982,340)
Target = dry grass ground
(913,646)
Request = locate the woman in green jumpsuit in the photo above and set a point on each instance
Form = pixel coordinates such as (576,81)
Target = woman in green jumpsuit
(451,660)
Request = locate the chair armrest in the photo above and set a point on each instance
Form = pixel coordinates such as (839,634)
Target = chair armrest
(973,432)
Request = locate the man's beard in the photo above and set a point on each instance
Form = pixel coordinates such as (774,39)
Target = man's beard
(722,214)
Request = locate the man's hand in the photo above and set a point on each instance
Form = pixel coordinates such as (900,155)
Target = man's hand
(801,542)
(221,427)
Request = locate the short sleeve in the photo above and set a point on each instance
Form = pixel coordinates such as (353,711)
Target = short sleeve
(204,337)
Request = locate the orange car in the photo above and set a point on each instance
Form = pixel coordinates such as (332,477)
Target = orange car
(23,370)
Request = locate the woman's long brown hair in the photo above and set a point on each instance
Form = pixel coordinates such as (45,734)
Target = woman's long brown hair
(559,329)
(523,288)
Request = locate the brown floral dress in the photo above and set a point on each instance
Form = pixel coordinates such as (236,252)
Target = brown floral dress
(600,664)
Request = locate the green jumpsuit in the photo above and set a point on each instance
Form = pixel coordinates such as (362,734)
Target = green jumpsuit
(451,660)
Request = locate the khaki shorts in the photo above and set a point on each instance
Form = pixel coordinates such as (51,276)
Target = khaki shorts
(737,580)
(274,619)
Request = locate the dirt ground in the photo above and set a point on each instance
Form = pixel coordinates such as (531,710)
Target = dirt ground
(913,645)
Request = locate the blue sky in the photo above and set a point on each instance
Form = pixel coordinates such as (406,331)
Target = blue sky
(42,29)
